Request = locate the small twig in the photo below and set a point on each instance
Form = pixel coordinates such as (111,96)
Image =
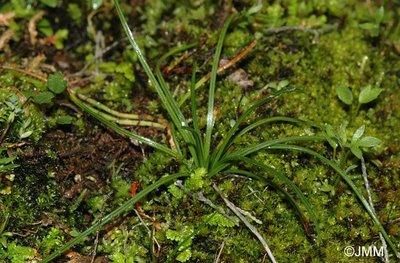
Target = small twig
(32,26)
(5,37)
(238,57)
(176,62)
(368,188)
(252,192)
(219,252)
(25,72)
(4,133)
(246,222)
(200,196)
(245,213)
(207,201)
(96,242)
(96,57)
(70,106)
(147,228)
(15,145)
(394,221)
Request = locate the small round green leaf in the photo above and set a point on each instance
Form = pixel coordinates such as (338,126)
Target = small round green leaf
(358,133)
(56,83)
(356,151)
(64,120)
(345,95)
(369,141)
(369,94)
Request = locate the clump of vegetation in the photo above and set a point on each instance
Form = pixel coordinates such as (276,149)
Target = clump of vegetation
(254,177)
(193,148)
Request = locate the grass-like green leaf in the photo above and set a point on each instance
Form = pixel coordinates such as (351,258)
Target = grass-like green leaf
(112,125)
(369,141)
(162,90)
(211,92)
(358,133)
(195,119)
(267,144)
(280,175)
(231,135)
(284,191)
(368,94)
(345,95)
(56,83)
(349,182)
(117,212)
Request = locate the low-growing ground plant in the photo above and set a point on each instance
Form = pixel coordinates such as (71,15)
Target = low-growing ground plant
(201,153)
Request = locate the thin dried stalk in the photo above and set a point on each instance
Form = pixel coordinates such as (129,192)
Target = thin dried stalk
(242,217)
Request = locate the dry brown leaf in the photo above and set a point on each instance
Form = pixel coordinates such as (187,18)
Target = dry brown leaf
(75,257)
(32,26)
(241,78)
(5,37)
(36,62)
(5,18)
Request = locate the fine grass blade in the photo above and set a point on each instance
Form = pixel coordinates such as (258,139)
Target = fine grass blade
(349,182)
(112,112)
(246,222)
(278,174)
(211,93)
(195,119)
(117,212)
(114,116)
(162,90)
(171,53)
(266,144)
(280,189)
(112,125)
(264,121)
(231,135)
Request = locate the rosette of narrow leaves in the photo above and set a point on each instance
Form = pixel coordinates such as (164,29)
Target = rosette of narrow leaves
(358,142)
(202,156)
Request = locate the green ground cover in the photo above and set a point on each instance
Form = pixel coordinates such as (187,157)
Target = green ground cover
(61,170)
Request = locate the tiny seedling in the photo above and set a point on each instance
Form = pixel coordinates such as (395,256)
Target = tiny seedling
(55,85)
(367,95)
(357,144)
(196,148)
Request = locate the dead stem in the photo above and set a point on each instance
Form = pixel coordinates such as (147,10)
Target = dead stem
(242,217)
(5,37)
(32,26)
(219,252)
(123,118)
(369,194)
(25,72)
(5,18)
